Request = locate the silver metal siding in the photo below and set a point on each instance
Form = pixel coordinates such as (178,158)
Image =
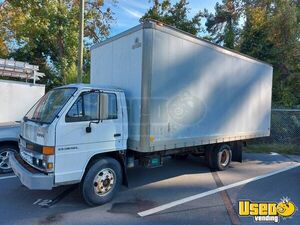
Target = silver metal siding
(221,96)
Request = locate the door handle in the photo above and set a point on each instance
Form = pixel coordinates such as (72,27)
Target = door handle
(117,135)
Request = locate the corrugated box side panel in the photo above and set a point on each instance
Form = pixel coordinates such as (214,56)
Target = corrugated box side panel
(200,95)
(16,98)
(118,63)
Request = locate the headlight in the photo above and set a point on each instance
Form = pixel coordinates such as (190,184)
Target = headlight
(40,157)
(48,163)
(44,163)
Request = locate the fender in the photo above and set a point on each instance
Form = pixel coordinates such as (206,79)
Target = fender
(120,156)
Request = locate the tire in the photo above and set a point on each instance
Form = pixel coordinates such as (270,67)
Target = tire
(95,189)
(220,157)
(4,152)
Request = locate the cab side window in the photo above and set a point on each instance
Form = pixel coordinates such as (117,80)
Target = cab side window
(86,108)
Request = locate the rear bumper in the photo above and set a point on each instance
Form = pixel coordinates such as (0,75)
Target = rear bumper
(30,177)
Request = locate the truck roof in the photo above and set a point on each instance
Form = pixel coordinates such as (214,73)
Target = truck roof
(157,25)
(91,86)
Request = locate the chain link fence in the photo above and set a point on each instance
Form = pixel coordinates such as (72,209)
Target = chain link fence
(285,131)
(285,127)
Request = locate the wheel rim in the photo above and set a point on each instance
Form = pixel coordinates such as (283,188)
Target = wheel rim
(4,159)
(104,181)
(224,157)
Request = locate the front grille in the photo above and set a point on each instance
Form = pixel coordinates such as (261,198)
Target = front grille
(32,147)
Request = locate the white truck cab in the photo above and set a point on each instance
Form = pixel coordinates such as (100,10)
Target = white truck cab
(65,129)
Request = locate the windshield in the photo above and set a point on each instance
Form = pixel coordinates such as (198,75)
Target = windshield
(45,110)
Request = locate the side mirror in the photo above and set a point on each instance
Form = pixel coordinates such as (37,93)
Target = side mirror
(88,129)
(103,106)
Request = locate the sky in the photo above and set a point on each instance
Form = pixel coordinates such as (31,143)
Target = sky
(128,12)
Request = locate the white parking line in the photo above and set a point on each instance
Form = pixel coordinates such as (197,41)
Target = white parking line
(8,177)
(211,192)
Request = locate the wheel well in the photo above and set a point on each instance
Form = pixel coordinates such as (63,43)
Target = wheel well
(117,155)
(12,143)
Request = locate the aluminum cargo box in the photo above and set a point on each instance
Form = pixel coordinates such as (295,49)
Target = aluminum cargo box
(182,90)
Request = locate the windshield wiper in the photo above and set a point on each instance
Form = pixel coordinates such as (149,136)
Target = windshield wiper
(37,121)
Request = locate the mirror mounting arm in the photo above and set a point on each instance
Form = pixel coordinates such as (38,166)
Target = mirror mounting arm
(89,128)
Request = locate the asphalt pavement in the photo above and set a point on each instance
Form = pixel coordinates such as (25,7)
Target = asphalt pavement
(196,195)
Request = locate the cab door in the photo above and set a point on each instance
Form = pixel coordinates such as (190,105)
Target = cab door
(92,125)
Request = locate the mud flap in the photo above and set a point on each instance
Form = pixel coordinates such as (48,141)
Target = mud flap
(237,151)
(122,155)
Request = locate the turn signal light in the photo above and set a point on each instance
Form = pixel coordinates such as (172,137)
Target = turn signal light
(49,166)
(48,150)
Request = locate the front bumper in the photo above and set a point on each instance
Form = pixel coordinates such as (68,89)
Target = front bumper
(30,177)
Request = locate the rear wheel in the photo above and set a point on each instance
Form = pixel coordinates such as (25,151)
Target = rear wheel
(5,150)
(219,157)
(101,182)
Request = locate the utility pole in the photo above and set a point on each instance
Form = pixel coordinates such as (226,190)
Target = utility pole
(80,38)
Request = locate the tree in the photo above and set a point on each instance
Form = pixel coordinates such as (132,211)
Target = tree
(3,49)
(255,39)
(268,30)
(175,15)
(271,33)
(222,26)
(46,33)
(3,46)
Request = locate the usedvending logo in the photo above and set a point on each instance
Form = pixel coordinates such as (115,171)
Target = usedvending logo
(267,211)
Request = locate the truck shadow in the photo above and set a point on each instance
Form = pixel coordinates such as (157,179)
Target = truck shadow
(172,168)
(192,165)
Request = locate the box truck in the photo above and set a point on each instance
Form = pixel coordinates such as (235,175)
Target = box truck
(16,98)
(155,91)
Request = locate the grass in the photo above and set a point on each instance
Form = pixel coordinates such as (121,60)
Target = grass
(287,149)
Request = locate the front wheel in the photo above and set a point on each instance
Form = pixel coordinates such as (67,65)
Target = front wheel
(5,150)
(101,182)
